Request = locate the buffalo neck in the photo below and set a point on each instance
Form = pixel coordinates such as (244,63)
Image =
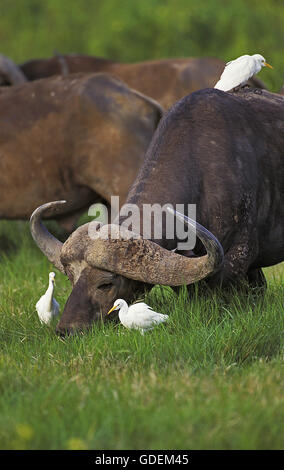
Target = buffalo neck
(165,180)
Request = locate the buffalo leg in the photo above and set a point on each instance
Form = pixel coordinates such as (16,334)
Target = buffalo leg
(237,261)
(68,222)
(256,278)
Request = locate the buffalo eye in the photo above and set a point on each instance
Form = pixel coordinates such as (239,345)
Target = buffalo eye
(69,273)
(104,287)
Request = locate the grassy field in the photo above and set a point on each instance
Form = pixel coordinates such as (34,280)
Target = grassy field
(133,31)
(212,378)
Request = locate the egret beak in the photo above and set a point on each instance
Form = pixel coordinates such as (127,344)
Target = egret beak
(112,309)
(268,65)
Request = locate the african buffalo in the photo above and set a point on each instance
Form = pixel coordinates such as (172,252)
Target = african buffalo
(224,153)
(80,138)
(166,81)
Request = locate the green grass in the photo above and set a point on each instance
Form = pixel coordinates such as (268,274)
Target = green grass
(212,378)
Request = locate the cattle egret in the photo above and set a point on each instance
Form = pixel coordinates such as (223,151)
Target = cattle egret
(47,307)
(138,316)
(238,71)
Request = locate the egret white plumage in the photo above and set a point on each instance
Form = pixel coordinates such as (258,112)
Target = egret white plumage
(138,316)
(47,307)
(237,72)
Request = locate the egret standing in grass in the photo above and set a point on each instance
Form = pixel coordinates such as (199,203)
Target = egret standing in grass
(138,316)
(237,72)
(47,307)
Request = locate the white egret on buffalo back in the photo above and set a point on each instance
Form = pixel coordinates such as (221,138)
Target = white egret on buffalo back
(237,72)
(47,307)
(138,316)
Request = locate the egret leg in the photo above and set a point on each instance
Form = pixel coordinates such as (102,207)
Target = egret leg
(238,88)
(257,91)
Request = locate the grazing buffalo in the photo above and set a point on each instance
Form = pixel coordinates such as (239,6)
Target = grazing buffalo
(221,151)
(167,81)
(80,138)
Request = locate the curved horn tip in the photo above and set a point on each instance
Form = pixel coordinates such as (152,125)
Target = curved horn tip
(182,217)
(47,243)
(46,206)
(12,71)
(171,210)
(213,246)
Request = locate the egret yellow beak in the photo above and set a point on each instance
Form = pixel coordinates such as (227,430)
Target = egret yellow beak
(112,309)
(268,65)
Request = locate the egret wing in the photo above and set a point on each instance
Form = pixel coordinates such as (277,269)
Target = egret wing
(144,316)
(40,304)
(236,73)
(242,58)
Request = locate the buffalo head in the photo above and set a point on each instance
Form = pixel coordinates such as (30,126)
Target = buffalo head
(110,262)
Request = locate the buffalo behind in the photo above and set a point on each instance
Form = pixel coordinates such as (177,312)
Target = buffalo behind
(81,138)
